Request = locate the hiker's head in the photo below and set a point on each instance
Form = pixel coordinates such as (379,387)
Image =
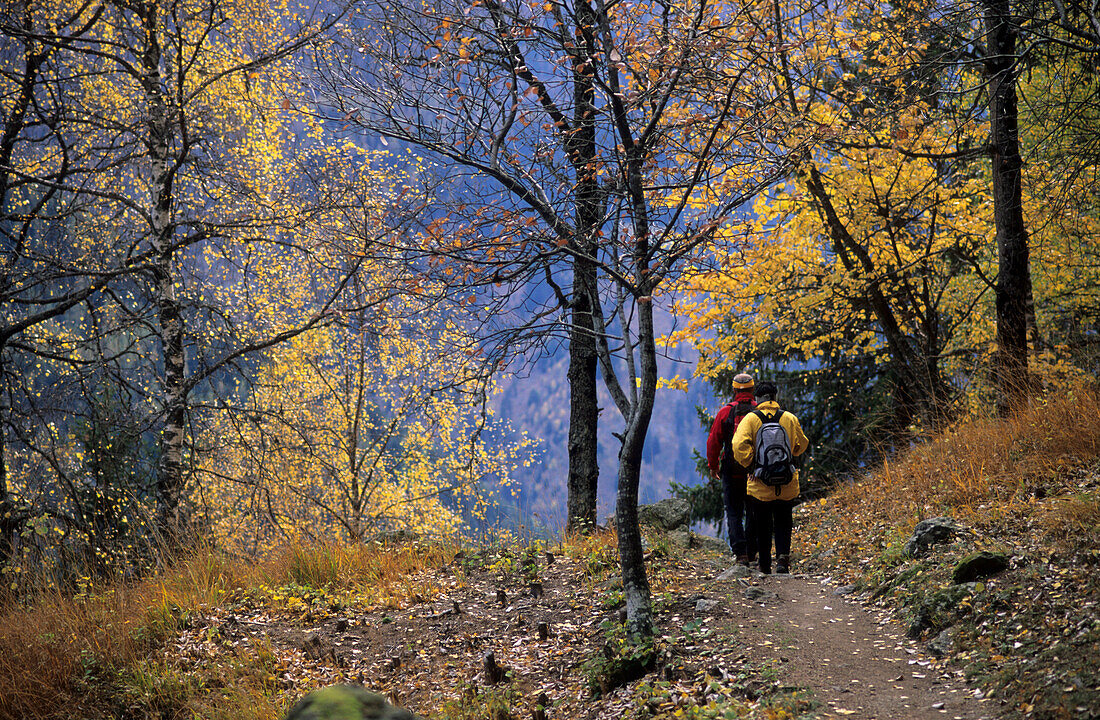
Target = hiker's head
(742,382)
(766,391)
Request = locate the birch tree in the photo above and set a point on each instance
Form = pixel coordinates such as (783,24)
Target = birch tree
(186,117)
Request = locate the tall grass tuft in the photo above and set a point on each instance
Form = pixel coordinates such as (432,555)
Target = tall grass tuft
(377,573)
(50,641)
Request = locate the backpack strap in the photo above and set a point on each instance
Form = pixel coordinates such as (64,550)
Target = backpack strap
(731,418)
(765,419)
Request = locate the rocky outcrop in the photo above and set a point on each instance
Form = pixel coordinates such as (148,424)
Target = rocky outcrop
(687,539)
(929,533)
(667,514)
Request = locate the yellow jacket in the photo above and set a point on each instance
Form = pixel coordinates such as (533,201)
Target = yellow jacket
(744,448)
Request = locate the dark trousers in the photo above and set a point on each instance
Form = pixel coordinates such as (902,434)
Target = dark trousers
(774,517)
(738,522)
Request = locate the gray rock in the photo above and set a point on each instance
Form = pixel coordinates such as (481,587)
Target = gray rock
(680,538)
(845,590)
(346,702)
(707,542)
(703,605)
(688,539)
(931,532)
(736,572)
(944,643)
(667,514)
(759,594)
(979,565)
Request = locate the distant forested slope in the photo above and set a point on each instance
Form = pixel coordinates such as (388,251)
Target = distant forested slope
(538,403)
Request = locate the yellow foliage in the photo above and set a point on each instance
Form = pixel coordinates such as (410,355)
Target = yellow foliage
(916,234)
(350,431)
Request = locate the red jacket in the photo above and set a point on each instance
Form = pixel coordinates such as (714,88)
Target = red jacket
(715,441)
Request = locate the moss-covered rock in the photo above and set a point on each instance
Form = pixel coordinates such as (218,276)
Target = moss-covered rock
(622,659)
(939,609)
(346,702)
(978,566)
(929,533)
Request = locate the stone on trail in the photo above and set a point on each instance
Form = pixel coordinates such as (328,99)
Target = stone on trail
(735,572)
(705,605)
(346,702)
(944,643)
(759,594)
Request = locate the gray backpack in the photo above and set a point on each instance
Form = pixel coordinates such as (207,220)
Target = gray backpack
(773,462)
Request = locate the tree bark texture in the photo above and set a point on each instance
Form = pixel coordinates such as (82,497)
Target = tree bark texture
(636,406)
(583,410)
(580,147)
(170,478)
(639,606)
(1014,274)
(9,524)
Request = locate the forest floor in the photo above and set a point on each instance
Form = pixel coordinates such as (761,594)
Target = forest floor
(731,642)
(863,629)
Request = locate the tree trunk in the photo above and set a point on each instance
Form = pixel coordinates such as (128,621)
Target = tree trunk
(170,522)
(639,608)
(584,471)
(637,411)
(583,411)
(8,523)
(1013,276)
(14,125)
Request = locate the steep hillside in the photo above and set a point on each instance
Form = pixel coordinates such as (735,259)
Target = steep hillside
(1025,495)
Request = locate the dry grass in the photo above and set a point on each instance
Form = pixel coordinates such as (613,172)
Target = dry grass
(364,568)
(983,471)
(1072,522)
(53,647)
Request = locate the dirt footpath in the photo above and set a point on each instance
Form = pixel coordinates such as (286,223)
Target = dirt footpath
(758,634)
(856,662)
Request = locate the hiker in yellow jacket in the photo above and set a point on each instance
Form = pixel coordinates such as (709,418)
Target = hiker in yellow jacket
(771,505)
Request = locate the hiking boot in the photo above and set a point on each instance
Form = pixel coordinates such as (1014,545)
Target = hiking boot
(766,565)
(783,564)
(742,559)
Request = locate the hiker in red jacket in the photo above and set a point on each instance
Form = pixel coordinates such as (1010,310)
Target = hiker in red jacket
(722,465)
